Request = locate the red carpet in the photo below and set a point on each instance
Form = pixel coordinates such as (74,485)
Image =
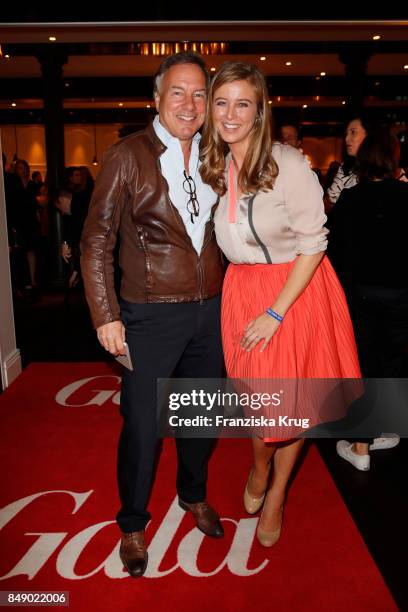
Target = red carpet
(59,428)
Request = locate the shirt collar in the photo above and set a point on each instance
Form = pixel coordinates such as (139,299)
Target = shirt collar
(165,136)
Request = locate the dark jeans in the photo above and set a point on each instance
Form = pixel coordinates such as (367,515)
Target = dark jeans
(165,340)
(380,320)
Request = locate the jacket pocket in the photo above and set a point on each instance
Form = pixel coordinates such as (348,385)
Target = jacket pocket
(148,263)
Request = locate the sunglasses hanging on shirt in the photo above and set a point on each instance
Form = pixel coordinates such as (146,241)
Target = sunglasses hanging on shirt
(189,187)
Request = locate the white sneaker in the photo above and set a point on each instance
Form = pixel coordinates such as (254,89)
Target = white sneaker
(360,462)
(387,440)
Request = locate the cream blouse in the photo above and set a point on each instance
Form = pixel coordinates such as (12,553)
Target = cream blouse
(276,225)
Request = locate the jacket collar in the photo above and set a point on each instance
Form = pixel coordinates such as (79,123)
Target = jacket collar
(158,146)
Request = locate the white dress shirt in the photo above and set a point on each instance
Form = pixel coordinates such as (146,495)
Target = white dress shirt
(172,167)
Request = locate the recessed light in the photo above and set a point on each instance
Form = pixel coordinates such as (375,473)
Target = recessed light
(212,69)
(120,103)
(304,106)
(343,102)
(322,74)
(376,37)
(262,58)
(377,83)
(279,98)
(7,56)
(406,67)
(269,101)
(13,104)
(52,38)
(317,78)
(147,105)
(317,98)
(288,63)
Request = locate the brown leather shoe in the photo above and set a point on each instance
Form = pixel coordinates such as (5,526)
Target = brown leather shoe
(133,553)
(206,518)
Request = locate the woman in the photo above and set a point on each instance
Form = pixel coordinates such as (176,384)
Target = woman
(284,313)
(29,224)
(357,129)
(73,203)
(368,250)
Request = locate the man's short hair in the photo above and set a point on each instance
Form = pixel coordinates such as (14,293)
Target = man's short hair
(184,57)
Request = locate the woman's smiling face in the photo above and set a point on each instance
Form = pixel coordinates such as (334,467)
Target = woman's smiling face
(234,111)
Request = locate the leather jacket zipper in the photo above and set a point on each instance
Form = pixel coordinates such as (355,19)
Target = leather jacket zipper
(200,276)
(146,254)
(200,269)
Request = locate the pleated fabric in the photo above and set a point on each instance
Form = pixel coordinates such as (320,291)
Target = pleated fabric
(314,341)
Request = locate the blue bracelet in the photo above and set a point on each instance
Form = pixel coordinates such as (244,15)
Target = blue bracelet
(274,314)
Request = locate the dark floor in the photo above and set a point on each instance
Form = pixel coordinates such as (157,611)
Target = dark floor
(49,329)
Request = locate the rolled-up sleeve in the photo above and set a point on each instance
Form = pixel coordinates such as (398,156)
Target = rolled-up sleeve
(304,201)
(99,237)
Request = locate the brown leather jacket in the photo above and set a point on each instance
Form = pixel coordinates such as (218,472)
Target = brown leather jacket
(131,203)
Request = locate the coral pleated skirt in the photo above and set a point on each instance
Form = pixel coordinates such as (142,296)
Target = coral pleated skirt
(314,341)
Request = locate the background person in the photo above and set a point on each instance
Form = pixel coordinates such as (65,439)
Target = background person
(368,251)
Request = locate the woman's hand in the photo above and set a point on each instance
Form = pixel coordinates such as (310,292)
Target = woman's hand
(261,328)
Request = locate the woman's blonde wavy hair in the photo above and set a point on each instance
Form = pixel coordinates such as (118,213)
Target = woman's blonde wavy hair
(259,169)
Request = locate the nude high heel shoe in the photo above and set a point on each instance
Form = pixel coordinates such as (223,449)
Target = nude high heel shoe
(252,504)
(269,538)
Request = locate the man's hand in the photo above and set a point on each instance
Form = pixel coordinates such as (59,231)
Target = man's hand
(112,336)
(66,252)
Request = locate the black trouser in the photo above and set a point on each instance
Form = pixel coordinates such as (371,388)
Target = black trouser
(165,340)
(380,320)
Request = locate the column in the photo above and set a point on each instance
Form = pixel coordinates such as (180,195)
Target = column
(355,58)
(52,58)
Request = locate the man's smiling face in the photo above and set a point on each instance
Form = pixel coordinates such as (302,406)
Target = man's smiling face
(181,101)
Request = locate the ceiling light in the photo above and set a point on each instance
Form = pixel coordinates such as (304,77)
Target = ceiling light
(262,58)
(7,56)
(288,63)
(322,74)
(13,104)
(147,105)
(304,106)
(269,101)
(405,67)
(376,37)
(213,69)
(120,103)
(343,101)
(52,38)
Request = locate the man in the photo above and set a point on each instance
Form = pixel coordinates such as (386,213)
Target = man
(290,135)
(149,194)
